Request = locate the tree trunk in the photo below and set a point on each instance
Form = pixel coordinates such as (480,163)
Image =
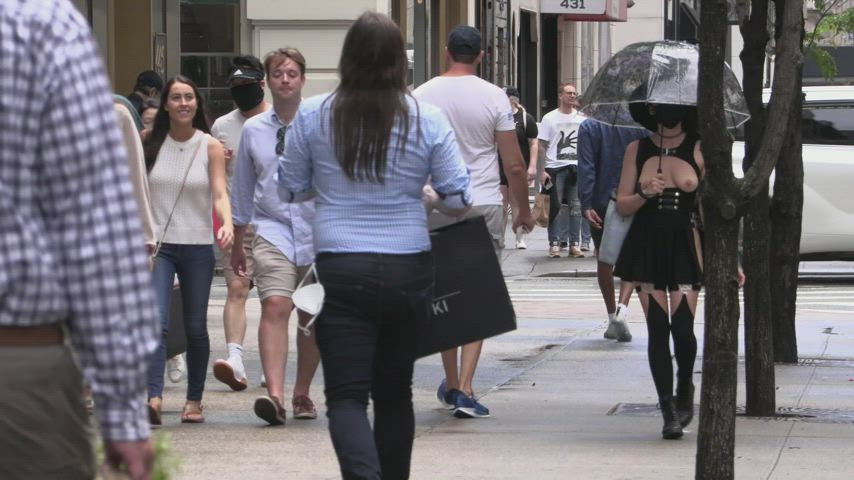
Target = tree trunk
(716,433)
(758,338)
(786,215)
(722,199)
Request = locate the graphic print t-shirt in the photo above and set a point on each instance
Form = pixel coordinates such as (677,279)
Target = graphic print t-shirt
(561,131)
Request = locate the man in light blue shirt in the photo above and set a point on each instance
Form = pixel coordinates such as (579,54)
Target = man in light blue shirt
(282,248)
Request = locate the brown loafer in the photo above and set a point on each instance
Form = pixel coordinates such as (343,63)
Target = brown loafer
(304,408)
(270,410)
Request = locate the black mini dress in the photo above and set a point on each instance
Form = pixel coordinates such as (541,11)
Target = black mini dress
(659,248)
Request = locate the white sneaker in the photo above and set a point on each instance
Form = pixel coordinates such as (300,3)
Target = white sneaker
(620,320)
(520,241)
(175,368)
(263,380)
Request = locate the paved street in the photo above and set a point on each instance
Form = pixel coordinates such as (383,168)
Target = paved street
(565,402)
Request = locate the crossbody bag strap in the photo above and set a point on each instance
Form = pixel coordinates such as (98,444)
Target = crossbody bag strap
(183,182)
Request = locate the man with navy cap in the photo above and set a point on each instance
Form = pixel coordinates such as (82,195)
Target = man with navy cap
(482,119)
(246,84)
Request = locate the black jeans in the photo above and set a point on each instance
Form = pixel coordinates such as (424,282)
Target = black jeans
(366,337)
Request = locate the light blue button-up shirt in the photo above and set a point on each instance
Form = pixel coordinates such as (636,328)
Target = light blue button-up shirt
(254,193)
(363,216)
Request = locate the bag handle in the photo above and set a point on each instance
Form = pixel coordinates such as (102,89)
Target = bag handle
(312,271)
(178,197)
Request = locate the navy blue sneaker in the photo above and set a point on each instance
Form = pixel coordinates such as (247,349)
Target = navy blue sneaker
(446,397)
(465,406)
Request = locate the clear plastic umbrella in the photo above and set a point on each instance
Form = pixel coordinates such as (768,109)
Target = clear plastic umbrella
(654,72)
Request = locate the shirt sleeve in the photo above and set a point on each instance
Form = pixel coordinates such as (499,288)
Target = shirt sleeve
(94,231)
(546,129)
(294,175)
(449,176)
(243,182)
(531,131)
(588,151)
(504,114)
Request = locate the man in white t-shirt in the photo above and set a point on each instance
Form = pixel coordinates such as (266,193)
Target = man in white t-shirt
(246,84)
(482,119)
(559,150)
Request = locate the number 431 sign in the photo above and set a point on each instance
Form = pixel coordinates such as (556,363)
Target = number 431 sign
(582,7)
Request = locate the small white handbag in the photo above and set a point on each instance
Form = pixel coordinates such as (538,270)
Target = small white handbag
(309,298)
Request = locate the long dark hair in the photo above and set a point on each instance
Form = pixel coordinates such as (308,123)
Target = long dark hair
(155,139)
(371,98)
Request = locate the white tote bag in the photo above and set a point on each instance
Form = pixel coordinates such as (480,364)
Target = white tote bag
(615,229)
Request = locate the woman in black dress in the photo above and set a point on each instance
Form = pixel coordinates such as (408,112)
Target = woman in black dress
(662,252)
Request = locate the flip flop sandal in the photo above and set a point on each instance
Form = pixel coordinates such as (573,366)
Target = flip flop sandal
(154,417)
(188,416)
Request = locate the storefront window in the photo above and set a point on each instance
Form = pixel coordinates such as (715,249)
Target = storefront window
(210,38)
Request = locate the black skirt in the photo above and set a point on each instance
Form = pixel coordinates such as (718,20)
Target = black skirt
(660,249)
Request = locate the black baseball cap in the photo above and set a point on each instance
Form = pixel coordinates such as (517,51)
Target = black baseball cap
(511,91)
(245,73)
(464,40)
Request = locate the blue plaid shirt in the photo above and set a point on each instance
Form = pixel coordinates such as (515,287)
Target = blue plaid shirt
(71,244)
(355,216)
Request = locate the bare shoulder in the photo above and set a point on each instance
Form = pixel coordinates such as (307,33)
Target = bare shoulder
(632,149)
(215,147)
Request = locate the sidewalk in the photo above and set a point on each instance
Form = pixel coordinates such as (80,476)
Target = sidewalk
(579,407)
(535,262)
(586,410)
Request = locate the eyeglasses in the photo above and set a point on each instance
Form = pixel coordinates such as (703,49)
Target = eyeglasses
(571,94)
(280,140)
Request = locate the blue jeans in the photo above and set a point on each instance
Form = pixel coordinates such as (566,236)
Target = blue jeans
(565,222)
(194,265)
(366,335)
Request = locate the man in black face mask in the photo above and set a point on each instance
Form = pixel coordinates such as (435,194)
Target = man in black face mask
(247,91)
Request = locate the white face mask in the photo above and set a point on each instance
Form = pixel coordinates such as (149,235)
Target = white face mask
(309,299)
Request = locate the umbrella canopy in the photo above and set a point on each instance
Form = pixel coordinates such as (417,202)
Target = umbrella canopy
(663,72)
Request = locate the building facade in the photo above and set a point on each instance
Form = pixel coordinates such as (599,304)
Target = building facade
(523,47)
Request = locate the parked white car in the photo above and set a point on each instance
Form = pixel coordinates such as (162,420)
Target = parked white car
(828,153)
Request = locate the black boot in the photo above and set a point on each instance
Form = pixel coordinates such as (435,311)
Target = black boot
(685,402)
(672,430)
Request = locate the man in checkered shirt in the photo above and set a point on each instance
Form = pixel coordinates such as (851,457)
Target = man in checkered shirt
(73,268)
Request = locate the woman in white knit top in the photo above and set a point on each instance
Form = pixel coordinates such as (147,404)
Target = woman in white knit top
(186,175)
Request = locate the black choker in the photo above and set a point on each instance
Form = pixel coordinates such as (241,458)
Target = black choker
(670,136)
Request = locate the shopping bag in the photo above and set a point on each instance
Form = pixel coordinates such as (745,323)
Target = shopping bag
(470,299)
(541,209)
(614,233)
(176,339)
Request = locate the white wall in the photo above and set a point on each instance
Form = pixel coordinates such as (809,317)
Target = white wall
(316,27)
(311,9)
(645,24)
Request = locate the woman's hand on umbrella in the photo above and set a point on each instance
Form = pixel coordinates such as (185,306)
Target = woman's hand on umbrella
(653,186)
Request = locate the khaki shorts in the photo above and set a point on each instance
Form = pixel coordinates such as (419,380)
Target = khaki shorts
(248,240)
(493,214)
(46,429)
(275,274)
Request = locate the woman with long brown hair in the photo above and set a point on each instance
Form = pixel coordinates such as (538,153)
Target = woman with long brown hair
(366,151)
(186,177)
